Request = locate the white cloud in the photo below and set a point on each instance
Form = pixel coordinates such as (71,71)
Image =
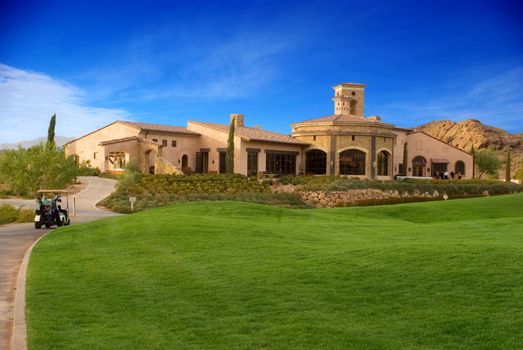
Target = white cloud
(28,99)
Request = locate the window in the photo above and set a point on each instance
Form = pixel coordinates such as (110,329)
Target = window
(222,160)
(173,143)
(315,162)
(280,163)
(155,140)
(352,162)
(95,155)
(353,137)
(252,163)
(383,163)
(314,138)
(164,143)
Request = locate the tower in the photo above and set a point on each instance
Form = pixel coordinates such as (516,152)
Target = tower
(349,99)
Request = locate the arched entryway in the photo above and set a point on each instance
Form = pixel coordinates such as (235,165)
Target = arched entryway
(418,166)
(150,161)
(315,162)
(383,163)
(185,162)
(352,162)
(459,168)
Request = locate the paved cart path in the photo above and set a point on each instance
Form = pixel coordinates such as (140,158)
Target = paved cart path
(15,240)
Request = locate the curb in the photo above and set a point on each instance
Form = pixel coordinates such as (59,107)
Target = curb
(19,335)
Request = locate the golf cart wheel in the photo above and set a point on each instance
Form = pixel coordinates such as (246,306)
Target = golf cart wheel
(47,225)
(68,221)
(38,225)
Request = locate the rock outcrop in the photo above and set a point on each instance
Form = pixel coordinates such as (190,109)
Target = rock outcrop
(470,132)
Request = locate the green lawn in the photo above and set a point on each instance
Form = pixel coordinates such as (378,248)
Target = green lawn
(230,275)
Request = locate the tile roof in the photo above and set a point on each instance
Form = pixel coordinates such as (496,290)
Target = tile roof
(339,118)
(130,138)
(159,127)
(253,134)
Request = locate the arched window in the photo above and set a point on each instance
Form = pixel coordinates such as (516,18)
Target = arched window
(459,168)
(418,166)
(315,162)
(383,163)
(352,162)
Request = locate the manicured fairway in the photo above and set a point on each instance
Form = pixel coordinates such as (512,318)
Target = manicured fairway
(229,275)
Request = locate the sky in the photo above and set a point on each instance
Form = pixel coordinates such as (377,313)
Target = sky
(93,62)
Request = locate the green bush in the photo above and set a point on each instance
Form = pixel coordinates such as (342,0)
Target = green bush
(23,171)
(9,214)
(157,190)
(451,187)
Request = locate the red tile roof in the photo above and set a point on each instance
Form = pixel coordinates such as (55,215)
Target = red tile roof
(158,127)
(340,118)
(130,138)
(253,134)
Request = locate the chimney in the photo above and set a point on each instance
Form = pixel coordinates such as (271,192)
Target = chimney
(238,119)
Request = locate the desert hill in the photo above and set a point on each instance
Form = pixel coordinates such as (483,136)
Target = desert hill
(470,132)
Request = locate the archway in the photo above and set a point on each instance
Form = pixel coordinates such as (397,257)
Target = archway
(185,161)
(315,162)
(383,163)
(352,162)
(418,166)
(459,168)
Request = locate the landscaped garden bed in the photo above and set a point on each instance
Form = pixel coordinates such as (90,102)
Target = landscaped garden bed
(293,192)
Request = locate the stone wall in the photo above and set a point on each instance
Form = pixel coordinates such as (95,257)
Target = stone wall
(320,199)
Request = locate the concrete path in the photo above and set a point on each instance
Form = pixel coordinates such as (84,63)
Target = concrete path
(16,239)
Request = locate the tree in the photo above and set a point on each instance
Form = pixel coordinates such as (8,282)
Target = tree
(50,132)
(487,163)
(519,172)
(405,160)
(473,152)
(507,166)
(230,147)
(24,171)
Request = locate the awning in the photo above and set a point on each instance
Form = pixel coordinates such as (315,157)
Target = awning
(440,160)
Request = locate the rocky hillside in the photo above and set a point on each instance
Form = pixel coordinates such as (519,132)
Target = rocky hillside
(470,132)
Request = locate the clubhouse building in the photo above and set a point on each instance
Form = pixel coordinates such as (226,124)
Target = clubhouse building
(344,143)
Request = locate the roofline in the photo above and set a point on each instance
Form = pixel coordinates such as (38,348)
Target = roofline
(187,132)
(415,131)
(356,85)
(92,132)
(129,138)
(244,138)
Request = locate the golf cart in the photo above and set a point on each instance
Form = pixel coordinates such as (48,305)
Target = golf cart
(50,210)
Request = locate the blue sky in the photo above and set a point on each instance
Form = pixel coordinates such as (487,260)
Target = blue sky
(95,61)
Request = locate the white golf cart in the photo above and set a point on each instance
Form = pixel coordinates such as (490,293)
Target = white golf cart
(50,211)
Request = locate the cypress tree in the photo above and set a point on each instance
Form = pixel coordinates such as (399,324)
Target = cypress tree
(50,132)
(507,167)
(473,152)
(405,159)
(230,147)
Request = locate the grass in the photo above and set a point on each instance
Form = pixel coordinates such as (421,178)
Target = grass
(230,275)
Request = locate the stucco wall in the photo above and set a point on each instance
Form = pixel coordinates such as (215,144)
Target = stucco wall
(86,146)
(185,144)
(420,144)
(214,139)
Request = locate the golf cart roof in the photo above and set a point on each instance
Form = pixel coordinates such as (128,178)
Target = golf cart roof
(53,191)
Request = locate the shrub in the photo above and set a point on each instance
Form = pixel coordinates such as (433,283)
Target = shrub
(9,214)
(24,171)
